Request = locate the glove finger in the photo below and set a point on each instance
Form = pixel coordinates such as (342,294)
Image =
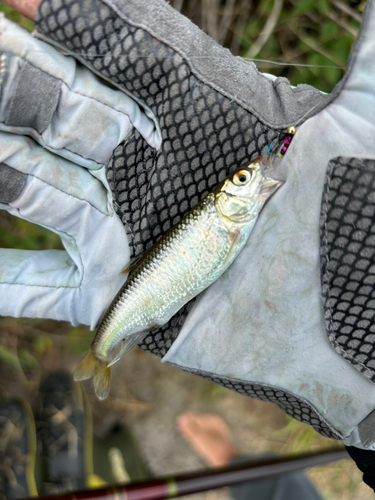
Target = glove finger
(23,154)
(77,284)
(62,105)
(155,53)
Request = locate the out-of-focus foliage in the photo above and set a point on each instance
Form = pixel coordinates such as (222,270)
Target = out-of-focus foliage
(19,233)
(309,40)
(79,339)
(16,17)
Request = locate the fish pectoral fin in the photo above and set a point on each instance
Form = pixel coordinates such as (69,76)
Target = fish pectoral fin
(92,366)
(235,238)
(128,343)
(268,187)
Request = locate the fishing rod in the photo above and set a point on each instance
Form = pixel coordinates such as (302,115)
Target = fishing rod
(185,484)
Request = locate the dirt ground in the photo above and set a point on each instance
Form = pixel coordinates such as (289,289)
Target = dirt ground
(147,396)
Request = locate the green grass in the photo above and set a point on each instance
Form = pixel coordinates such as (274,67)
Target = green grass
(14,16)
(21,234)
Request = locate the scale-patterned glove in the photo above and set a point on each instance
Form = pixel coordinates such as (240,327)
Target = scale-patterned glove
(291,321)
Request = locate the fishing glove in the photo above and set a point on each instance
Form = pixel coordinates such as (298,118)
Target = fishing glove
(291,321)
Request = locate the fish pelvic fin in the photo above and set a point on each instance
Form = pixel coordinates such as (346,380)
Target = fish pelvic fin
(92,366)
(128,343)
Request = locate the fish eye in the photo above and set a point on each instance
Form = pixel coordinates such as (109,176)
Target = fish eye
(241,178)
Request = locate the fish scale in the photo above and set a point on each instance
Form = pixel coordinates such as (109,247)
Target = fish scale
(183,263)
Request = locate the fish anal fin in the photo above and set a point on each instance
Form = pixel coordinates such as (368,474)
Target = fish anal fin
(128,343)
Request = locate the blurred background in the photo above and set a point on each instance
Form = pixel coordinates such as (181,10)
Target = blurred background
(306,41)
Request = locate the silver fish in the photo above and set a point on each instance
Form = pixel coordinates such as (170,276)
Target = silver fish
(183,263)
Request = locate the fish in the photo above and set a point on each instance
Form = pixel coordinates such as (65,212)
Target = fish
(191,256)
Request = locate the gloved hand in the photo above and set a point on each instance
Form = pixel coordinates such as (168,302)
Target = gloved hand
(290,322)
(59,127)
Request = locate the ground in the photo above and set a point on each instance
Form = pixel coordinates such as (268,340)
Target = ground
(147,396)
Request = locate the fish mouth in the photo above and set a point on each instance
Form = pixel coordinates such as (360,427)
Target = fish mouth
(243,200)
(218,189)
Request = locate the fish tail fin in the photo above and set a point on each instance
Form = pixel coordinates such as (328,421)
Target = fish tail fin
(86,368)
(102,380)
(92,366)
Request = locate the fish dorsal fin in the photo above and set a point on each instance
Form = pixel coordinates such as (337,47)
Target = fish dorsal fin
(128,343)
(130,266)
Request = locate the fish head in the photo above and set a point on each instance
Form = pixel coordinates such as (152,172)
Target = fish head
(242,195)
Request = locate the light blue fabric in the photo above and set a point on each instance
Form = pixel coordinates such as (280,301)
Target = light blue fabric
(66,189)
